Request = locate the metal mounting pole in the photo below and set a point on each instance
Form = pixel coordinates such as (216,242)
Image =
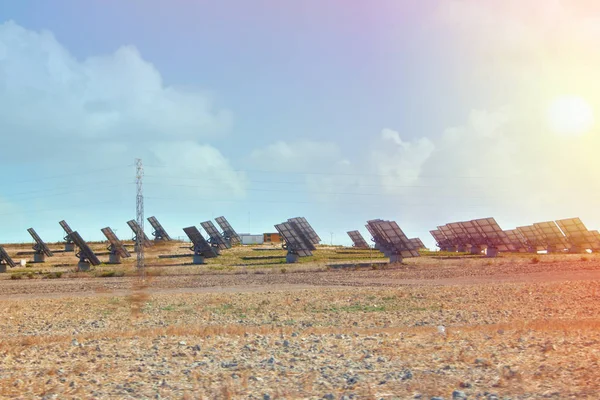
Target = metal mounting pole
(139,203)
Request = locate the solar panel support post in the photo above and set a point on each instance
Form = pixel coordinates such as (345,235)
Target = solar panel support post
(551,249)
(198,259)
(451,249)
(292,258)
(69,247)
(114,258)
(83,265)
(39,257)
(491,252)
(2,268)
(462,249)
(575,249)
(476,249)
(395,259)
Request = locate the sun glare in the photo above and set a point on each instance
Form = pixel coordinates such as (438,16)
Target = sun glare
(570,115)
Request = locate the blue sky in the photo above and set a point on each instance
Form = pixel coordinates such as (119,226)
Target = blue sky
(262,111)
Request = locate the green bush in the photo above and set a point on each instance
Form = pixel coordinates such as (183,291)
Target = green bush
(53,275)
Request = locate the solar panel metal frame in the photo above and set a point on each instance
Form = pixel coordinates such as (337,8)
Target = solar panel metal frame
(440,240)
(533,238)
(449,234)
(576,232)
(116,245)
(67,230)
(295,240)
(85,252)
(135,227)
(228,230)
(495,236)
(552,234)
(214,235)
(417,243)
(517,240)
(40,246)
(159,231)
(307,229)
(398,242)
(595,239)
(462,237)
(6,258)
(358,240)
(377,237)
(199,245)
(477,237)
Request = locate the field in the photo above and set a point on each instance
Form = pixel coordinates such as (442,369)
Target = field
(340,325)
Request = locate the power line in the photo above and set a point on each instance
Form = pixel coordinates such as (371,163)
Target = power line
(65,175)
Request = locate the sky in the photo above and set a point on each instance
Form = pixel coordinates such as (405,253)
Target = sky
(420,112)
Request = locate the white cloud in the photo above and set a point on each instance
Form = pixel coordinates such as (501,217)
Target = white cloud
(103,109)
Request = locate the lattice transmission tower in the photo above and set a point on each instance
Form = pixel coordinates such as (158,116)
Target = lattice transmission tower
(139,206)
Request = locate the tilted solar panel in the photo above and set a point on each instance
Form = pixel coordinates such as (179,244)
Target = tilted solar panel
(295,241)
(228,231)
(199,245)
(552,234)
(85,254)
(307,229)
(358,240)
(40,246)
(462,237)
(495,236)
(4,257)
(215,237)
(159,232)
(440,240)
(116,245)
(476,236)
(417,243)
(533,238)
(517,240)
(397,241)
(135,227)
(576,232)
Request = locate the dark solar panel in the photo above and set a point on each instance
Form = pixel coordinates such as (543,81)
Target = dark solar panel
(228,230)
(358,240)
(307,229)
(199,245)
(40,246)
(214,235)
(116,245)
(135,227)
(85,253)
(159,232)
(4,257)
(295,241)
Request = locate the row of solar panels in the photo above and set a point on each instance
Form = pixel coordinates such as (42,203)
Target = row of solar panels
(566,234)
(117,248)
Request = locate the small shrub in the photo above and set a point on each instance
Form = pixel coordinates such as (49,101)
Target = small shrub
(584,258)
(111,274)
(283,270)
(53,275)
(16,276)
(535,260)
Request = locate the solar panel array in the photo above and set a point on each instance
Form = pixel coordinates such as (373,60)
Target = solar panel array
(358,240)
(553,237)
(461,236)
(517,240)
(296,242)
(215,237)
(228,231)
(391,239)
(67,230)
(440,239)
(308,230)
(476,235)
(4,257)
(534,239)
(495,236)
(85,254)
(40,246)
(576,232)
(135,227)
(448,234)
(199,245)
(116,246)
(159,232)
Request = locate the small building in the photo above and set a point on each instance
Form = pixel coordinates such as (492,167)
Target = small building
(249,239)
(272,237)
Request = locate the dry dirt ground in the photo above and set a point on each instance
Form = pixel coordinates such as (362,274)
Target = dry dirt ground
(518,327)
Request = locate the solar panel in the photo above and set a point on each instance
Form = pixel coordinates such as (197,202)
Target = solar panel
(85,254)
(534,239)
(308,230)
(554,238)
(462,237)
(476,236)
(228,231)
(199,245)
(448,233)
(295,241)
(40,246)
(215,237)
(417,243)
(135,227)
(576,232)
(67,230)
(397,241)
(4,257)
(358,240)
(596,240)
(517,240)
(377,237)
(159,232)
(116,246)
(441,240)
(495,236)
